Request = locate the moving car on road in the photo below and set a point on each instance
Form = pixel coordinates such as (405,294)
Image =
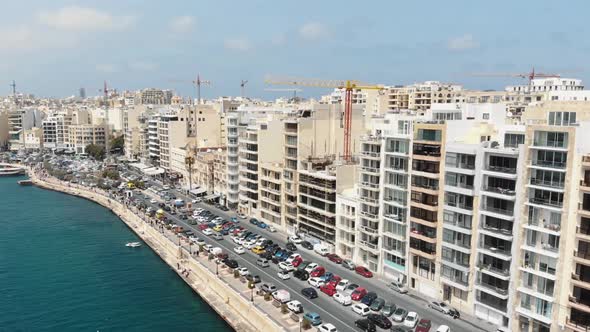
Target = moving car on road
(239,250)
(327,328)
(295,239)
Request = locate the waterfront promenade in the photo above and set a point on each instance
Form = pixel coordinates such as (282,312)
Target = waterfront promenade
(233,301)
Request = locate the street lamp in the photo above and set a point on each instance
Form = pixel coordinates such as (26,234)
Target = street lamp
(251,294)
(216,268)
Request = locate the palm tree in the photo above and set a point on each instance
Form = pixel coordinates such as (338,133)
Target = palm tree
(189,161)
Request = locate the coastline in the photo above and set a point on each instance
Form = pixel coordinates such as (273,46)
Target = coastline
(237,311)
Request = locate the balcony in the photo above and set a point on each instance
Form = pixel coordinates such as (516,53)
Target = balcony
(426,150)
(370,185)
(371,170)
(422,248)
(547,184)
(492,301)
(501,191)
(546,202)
(578,321)
(549,164)
(501,169)
(371,154)
(496,251)
(373,247)
(495,271)
(498,210)
(369,230)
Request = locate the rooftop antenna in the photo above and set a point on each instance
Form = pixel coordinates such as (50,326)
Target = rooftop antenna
(243,87)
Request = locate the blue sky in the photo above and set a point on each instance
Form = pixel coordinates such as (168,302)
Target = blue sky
(52,48)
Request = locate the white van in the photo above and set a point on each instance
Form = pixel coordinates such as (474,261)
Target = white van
(216,251)
(282,296)
(320,249)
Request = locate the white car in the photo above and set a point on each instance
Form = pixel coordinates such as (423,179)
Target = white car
(444,328)
(342,299)
(208,231)
(327,328)
(295,306)
(310,267)
(411,319)
(342,285)
(292,258)
(361,309)
(242,216)
(260,241)
(239,250)
(284,275)
(249,245)
(207,247)
(271,229)
(196,200)
(316,282)
(295,239)
(440,307)
(243,271)
(286,266)
(153,201)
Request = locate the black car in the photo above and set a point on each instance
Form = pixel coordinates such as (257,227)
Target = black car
(365,325)
(166,208)
(183,217)
(369,298)
(310,293)
(266,255)
(307,245)
(301,274)
(380,320)
(224,208)
(231,263)
(161,205)
(275,260)
(291,246)
(454,313)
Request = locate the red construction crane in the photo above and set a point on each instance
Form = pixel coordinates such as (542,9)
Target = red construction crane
(347,85)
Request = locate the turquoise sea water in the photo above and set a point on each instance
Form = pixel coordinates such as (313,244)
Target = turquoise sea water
(64,267)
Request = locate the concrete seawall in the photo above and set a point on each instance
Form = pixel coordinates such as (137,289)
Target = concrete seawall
(237,311)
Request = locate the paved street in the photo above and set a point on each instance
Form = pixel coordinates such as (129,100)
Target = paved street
(330,311)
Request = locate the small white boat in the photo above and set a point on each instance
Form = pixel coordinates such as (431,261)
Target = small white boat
(133,244)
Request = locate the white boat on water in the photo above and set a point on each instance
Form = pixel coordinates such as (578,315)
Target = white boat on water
(133,244)
(8,170)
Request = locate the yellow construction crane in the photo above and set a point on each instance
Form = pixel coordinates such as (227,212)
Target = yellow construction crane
(347,85)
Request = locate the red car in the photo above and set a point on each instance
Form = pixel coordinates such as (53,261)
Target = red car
(358,294)
(334,258)
(318,272)
(297,261)
(328,290)
(203,226)
(423,325)
(363,271)
(334,281)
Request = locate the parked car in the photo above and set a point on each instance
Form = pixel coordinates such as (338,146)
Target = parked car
(310,293)
(307,245)
(254,221)
(310,267)
(342,299)
(377,304)
(424,325)
(330,291)
(318,271)
(342,284)
(360,309)
(334,258)
(398,287)
(347,263)
(350,288)
(388,309)
(284,275)
(399,315)
(301,274)
(363,271)
(365,325)
(443,328)
(358,294)
(282,296)
(253,279)
(295,239)
(327,328)
(295,306)
(268,288)
(239,250)
(262,262)
(411,319)
(286,266)
(231,263)
(243,271)
(327,276)
(291,246)
(380,320)
(440,307)
(369,298)
(316,282)
(313,317)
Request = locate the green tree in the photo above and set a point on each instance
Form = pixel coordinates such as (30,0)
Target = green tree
(117,144)
(95,151)
(111,174)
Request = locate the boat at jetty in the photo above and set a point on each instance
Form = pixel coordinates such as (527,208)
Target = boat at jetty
(25,182)
(133,244)
(10,170)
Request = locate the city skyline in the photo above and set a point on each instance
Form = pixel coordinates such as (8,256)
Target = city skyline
(134,46)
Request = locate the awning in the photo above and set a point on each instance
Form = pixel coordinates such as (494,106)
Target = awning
(212,196)
(153,171)
(140,166)
(198,191)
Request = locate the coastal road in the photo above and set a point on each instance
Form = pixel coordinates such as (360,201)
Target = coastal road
(339,313)
(329,310)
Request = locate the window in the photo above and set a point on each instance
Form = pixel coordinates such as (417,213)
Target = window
(562,118)
(513,140)
(486,116)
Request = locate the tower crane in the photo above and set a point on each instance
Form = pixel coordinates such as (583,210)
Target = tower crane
(347,85)
(243,87)
(106,91)
(530,75)
(295,90)
(197,82)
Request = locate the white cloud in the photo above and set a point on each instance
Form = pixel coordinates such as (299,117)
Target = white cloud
(465,42)
(16,38)
(82,18)
(238,44)
(313,31)
(182,24)
(143,65)
(106,68)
